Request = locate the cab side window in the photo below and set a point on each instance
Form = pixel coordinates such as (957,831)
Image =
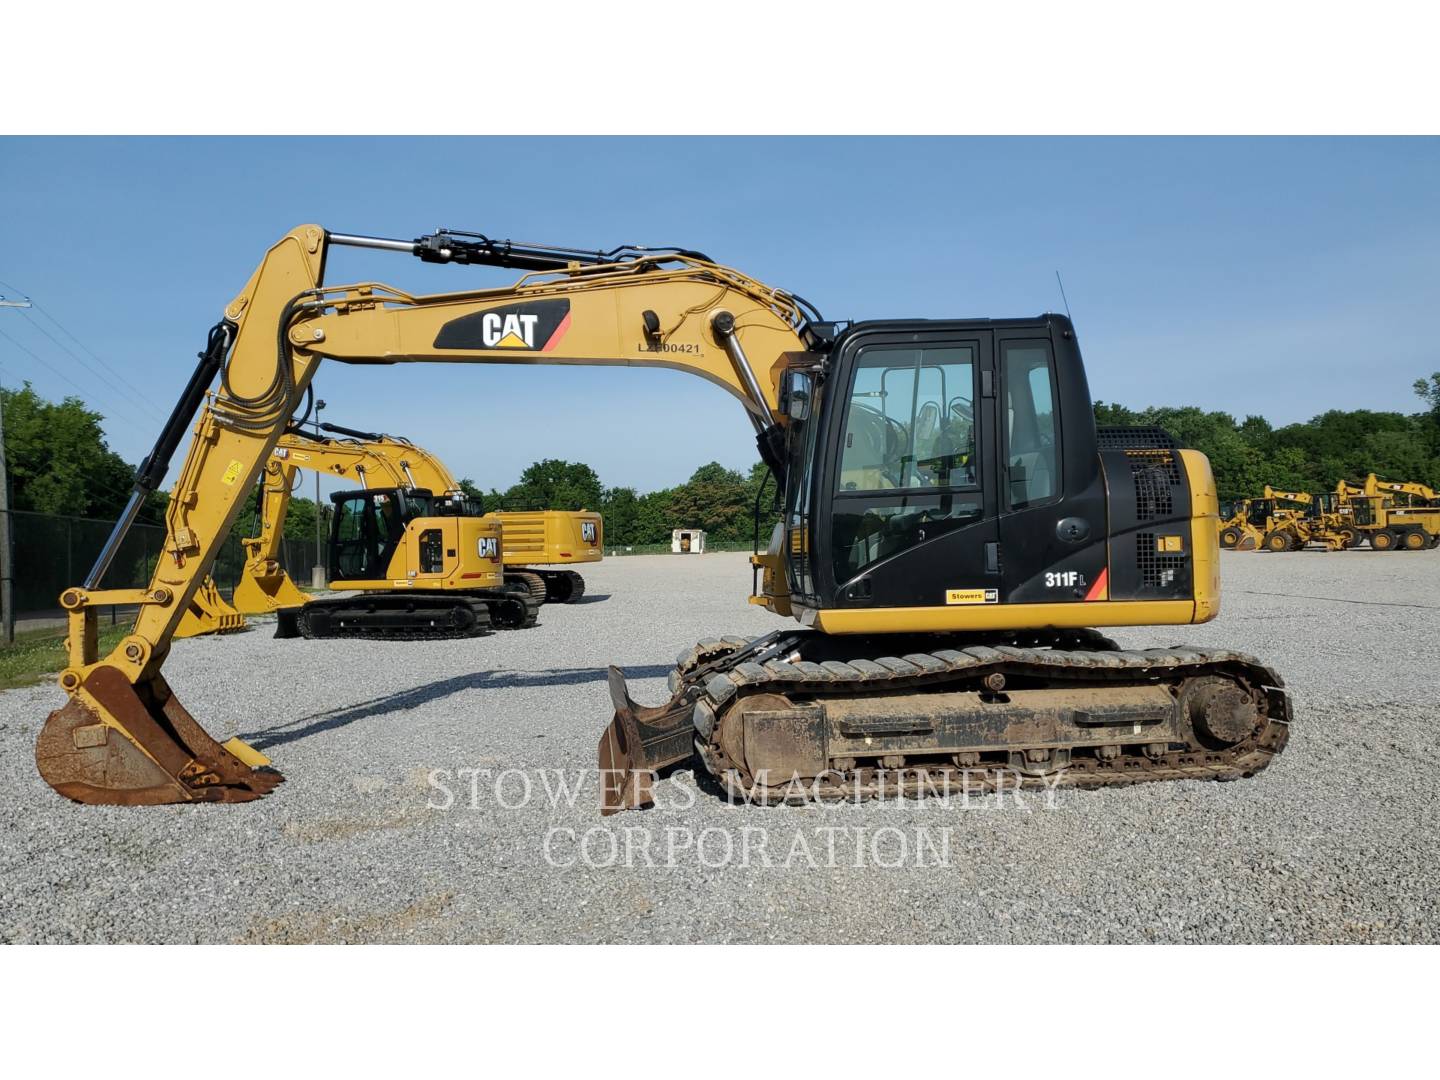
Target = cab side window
(1031,424)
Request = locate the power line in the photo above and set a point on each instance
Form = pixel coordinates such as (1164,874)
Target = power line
(134,391)
(134,395)
(90,352)
(55,371)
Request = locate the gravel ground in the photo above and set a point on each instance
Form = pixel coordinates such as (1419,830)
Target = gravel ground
(1334,843)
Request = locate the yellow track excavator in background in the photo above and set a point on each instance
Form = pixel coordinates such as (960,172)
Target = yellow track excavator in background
(539,545)
(954,528)
(531,543)
(423,561)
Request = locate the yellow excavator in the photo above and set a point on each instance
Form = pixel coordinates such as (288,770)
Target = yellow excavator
(1418,495)
(535,547)
(954,529)
(539,545)
(423,561)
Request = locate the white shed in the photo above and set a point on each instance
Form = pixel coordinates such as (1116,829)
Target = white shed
(688,541)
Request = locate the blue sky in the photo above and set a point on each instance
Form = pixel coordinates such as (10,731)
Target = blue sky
(1276,276)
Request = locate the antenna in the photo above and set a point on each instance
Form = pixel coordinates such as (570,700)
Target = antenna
(1063,299)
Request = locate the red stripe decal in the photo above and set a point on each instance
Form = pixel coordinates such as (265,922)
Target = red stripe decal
(1100,590)
(558,334)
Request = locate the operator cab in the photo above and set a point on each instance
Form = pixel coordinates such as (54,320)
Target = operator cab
(1260,511)
(366,526)
(973,441)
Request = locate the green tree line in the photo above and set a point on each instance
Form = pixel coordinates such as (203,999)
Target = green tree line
(1311,456)
(59,463)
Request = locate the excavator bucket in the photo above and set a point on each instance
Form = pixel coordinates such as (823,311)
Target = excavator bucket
(208,613)
(638,743)
(117,744)
(259,593)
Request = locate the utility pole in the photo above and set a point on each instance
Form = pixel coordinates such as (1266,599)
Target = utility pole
(317,575)
(7,544)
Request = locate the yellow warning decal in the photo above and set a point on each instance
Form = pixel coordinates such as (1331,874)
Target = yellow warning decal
(232,473)
(972,596)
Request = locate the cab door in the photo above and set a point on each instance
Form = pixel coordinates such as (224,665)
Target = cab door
(1051,492)
(910,492)
(430,547)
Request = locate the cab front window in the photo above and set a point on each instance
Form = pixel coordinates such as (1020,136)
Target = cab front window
(910,420)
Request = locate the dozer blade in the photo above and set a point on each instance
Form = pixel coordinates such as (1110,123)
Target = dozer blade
(639,742)
(137,746)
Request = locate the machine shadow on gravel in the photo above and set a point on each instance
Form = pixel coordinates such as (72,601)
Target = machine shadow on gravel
(329,720)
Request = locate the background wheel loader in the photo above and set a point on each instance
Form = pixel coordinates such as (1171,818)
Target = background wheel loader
(954,528)
(1236,532)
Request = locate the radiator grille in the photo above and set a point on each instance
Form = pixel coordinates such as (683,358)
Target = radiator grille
(1156,475)
(1157,570)
(1134,438)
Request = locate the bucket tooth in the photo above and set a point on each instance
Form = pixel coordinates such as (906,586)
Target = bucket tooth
(639,742)
(209,613)
(116,744)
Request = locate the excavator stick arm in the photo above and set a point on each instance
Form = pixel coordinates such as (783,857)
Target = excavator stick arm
(122,738)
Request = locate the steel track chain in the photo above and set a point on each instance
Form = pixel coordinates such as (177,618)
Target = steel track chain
(483,625)
(1091,655)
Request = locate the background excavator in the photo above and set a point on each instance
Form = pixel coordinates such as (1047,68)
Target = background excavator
(209,613)
(539,545)
(536,547)
(954,527)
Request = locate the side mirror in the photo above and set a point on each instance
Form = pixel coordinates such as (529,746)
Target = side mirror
(795,391)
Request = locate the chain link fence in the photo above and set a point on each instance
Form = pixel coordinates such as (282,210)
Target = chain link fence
(54,552)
